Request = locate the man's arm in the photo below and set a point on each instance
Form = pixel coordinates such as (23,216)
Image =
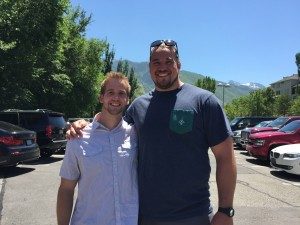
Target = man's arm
(65,201)
(226,179)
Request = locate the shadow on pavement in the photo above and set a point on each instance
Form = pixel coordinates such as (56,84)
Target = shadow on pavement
(258,162)
(286,176)
(46,160)
(7,172)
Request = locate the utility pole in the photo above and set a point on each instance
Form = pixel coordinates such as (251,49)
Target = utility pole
(297,56)
(223,91)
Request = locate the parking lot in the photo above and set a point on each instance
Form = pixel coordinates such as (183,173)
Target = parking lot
(263,195)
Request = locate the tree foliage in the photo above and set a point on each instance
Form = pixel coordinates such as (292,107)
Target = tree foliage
(207,83)
(45,59)
(295,107)
(263,102)
(123,67)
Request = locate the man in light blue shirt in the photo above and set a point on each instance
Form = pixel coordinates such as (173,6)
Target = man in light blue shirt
(103,163)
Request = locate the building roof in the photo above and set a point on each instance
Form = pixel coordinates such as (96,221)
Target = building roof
(292,77)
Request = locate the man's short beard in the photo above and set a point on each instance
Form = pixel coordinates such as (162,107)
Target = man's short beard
(167,85)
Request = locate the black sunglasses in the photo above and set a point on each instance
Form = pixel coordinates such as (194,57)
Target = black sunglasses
(167,42)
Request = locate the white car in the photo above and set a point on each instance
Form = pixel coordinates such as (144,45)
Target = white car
(287,158)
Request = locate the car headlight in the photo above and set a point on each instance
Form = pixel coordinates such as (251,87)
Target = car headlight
(291,155)
(259,142)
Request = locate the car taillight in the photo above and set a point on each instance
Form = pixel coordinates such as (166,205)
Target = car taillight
(10,140)
(48,131)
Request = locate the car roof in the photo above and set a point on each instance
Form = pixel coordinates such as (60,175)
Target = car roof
(31,111)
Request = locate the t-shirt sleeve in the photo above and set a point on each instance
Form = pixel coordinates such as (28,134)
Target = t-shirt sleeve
(216,123)
(128,116)
(70,167)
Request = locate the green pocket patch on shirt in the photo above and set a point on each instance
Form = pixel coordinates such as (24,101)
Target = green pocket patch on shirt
(181,121)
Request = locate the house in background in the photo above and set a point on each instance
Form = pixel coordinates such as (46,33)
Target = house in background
(287,85)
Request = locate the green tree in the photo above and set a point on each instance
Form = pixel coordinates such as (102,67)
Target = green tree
(136,88)
(45,59)
(108,60)
(295,107)
(238,107)
(29,41)
(207,83)
(282,105)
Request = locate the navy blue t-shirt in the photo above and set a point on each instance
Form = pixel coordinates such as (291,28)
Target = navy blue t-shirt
(175,130)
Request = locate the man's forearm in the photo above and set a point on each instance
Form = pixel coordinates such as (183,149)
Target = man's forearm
(226,181)
(64,206)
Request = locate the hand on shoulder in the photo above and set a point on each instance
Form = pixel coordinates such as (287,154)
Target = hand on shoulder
(75,129)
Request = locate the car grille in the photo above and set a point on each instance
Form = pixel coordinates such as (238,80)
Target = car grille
(245,135)
(250,142)
(281,166)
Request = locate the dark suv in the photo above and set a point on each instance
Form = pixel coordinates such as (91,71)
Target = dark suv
(50,127)
(240,123)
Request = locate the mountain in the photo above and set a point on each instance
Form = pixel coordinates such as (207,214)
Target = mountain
(232,89)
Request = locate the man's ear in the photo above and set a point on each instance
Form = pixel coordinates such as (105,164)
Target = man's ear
(178,64)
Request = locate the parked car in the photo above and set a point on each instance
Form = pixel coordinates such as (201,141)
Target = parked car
(260,144)
(240,123)
(273,126)
(240,142)
(286,158)
(17,145)
(50,127)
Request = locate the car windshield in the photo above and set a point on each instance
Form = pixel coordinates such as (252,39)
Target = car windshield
(234,121)
(263,123)
(57,120)
(278,122)
(290,127)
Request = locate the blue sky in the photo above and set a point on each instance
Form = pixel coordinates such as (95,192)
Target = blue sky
(240,40)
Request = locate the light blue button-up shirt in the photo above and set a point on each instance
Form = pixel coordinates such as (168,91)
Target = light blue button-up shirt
(104,163)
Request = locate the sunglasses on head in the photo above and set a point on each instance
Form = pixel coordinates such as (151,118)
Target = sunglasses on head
(167,42)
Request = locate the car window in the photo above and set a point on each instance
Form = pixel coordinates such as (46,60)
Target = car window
(278,122)
(291,127)
(32,120)
(57,120)
(9,117)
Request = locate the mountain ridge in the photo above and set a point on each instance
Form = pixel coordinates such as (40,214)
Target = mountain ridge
(232,89)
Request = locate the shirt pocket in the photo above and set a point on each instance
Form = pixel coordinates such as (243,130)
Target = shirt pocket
(93,160)
(181,121)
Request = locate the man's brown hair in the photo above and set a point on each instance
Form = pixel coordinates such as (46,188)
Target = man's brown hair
(118,76)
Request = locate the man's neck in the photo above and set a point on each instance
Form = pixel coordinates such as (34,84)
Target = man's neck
(108,120)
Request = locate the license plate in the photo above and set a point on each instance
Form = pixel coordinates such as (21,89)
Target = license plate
(28,142)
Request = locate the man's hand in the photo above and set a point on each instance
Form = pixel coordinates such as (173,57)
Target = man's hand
(75,129)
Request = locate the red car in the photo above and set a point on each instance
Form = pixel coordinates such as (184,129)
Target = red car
(273,126)
(260,144)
